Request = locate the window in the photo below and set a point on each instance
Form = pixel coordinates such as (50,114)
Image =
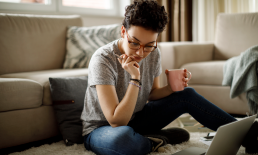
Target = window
(89,7)
(46,2)
(99,4)
(92,7)
(27,5)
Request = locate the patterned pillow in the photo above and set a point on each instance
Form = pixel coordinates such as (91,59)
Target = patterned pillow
(82,42)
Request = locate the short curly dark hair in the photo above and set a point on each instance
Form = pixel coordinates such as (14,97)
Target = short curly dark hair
(147,14)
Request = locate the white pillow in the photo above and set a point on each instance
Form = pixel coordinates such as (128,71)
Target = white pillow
(82,42)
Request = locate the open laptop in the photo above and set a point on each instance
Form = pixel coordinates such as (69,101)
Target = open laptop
(227,140)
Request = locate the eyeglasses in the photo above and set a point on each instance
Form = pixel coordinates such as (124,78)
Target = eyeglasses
(135,46)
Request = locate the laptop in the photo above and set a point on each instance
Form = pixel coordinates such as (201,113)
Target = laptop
(227,140)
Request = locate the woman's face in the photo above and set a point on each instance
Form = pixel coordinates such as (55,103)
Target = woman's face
(138,36)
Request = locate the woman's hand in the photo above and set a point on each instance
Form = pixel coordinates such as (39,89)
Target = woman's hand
(131,66)
(184,80)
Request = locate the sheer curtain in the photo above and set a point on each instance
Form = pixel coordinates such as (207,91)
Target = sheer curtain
(205,14)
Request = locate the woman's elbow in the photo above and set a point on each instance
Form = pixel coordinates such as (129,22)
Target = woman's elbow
(117,125)
(116,122)
(114,125)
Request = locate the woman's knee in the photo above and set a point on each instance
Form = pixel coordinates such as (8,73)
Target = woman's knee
(126,136)
(137,142)
(122,133)
(109,133)
(189,90)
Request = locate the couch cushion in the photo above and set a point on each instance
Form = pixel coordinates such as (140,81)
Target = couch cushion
(33,42)
(18,93)
(235,33)
(207,73)
(42,77)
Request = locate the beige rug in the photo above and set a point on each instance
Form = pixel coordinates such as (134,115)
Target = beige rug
(59,148)
(196,132)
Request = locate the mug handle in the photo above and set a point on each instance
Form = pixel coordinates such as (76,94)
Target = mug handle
(189,78)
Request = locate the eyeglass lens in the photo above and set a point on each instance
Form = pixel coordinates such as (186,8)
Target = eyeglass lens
(137,46)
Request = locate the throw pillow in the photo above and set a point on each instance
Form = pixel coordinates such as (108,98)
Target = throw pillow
(82,42)
(68,101)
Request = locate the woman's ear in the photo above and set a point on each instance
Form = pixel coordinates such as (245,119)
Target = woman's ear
(123,30)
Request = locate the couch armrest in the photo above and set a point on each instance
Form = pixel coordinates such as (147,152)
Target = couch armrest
(176,54)
(18,93)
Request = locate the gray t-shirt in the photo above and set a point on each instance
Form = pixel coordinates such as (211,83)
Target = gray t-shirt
(104,69)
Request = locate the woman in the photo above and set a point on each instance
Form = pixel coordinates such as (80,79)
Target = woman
(115,115)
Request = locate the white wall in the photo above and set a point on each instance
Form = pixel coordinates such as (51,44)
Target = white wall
(93,21)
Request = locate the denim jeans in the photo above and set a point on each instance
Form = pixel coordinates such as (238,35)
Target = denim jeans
(128,140)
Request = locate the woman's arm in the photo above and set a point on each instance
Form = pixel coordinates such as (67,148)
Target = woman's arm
(157,92)
(119,114)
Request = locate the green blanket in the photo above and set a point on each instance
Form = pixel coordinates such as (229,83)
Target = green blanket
(240,73)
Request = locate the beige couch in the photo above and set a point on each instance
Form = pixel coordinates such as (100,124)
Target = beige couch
(234,34)
(32,49)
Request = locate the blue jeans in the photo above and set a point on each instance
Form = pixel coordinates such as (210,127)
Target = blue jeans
(128,140)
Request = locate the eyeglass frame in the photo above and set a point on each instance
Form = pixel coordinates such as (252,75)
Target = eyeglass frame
(139,44)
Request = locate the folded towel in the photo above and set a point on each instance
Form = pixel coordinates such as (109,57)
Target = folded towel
(240,73)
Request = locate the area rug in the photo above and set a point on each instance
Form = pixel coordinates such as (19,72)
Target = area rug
(59,148)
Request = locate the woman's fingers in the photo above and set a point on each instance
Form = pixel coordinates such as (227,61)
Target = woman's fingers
(136,64)
(186,77)
(119,60)
(185,82)
(124,58)
(185,72)
(131,61)
(128,60)
(166,71)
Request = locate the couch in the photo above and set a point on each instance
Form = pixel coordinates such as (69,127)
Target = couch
(235,33)
(32,49)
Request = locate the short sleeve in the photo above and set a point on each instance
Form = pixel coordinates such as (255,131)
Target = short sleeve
(101,71)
